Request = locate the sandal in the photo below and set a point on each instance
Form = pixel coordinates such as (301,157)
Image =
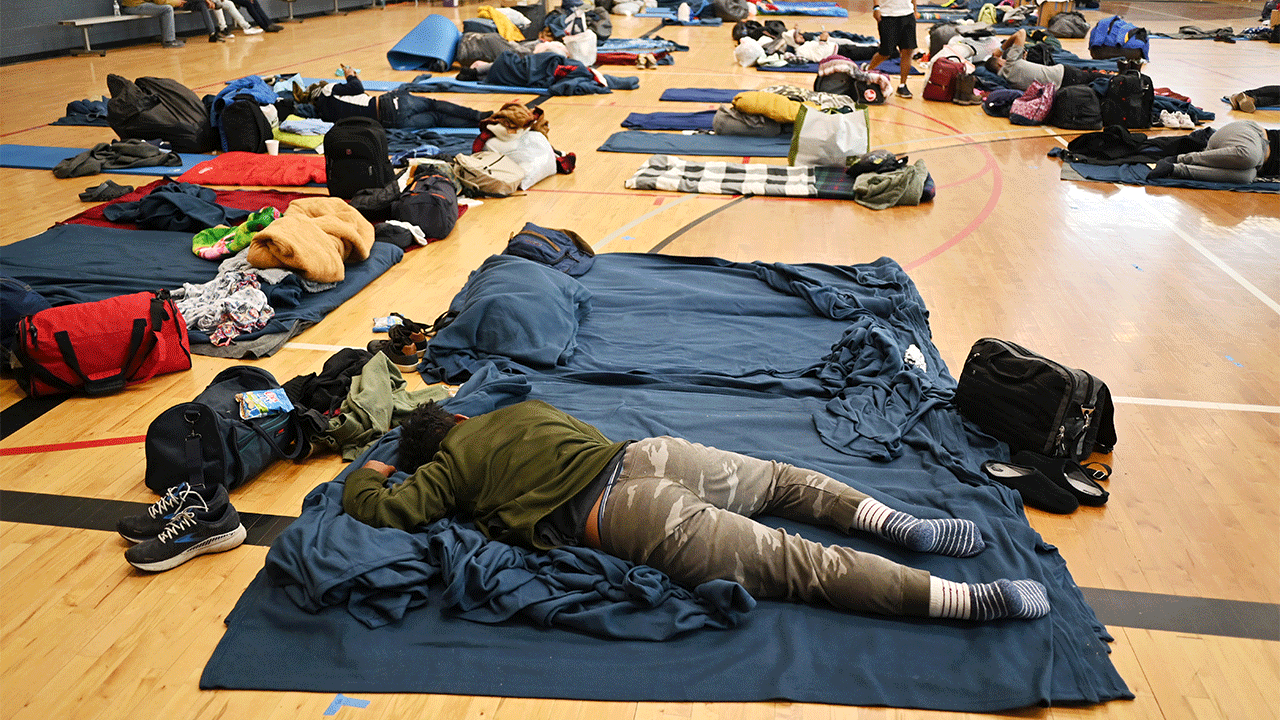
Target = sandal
(1036,489)
(1071,476)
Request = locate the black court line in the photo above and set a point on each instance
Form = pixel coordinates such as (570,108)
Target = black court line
(672,237)
(25,411)
(1117,608)
(645,35)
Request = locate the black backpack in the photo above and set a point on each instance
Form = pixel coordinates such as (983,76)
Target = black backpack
(1076,107)
(1039,53)
(159,109)
(431,203)
(1128,101)
(243,126)
(356,157)
(206,441)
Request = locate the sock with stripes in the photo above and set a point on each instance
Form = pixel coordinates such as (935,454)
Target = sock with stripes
(1015,599)
(957,538)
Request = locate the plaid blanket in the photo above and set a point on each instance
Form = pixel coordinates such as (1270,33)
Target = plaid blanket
(664,172)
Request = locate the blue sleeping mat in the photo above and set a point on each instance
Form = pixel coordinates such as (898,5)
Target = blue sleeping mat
(820,9)
(670,120)
(666,143)
(708,95)
(671,346)
(114,261)
(1136,174)
(450,85)
(43,157)
(429,46)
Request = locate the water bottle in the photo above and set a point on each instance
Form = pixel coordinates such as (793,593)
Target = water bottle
(115,6)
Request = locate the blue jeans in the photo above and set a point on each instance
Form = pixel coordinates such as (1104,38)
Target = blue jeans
(413,112)
(164,12)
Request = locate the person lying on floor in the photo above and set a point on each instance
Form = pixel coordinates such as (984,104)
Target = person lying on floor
(532,475)
(1238,152)
(1250,100)
(396,109)
(1009,64)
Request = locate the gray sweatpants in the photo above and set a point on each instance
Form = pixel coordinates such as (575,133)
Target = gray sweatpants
(686,510)
(1233,155)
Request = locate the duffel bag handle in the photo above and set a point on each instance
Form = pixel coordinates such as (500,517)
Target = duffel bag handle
(299,443)
(102,384)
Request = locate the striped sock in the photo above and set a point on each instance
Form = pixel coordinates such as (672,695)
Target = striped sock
(956,538)
(1016,599)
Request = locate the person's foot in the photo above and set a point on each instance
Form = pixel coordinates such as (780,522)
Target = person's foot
(172,44)
(904,92)
(226,32)
(273,28)
(1162,169)
(1244,103)
(216,38)
(251,30)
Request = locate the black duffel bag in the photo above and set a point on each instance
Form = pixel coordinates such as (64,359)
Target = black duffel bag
(207,442)
(1033,403)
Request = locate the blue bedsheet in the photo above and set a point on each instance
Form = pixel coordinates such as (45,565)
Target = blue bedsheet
(1136,174)
(740,356)
(671,143)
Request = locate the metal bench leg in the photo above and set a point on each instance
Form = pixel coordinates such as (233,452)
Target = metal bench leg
(291,18)
(335,10)
(88,49)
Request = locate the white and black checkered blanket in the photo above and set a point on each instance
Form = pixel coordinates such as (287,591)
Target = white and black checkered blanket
(664,172)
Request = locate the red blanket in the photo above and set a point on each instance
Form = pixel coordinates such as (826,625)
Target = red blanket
(246,168)
(238,199)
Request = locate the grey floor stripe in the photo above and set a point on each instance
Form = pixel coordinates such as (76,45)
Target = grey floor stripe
(1117,608)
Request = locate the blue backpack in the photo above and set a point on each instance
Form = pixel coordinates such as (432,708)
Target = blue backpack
(563,250)
(1115,37)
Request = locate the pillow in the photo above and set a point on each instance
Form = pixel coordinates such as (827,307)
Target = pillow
(510,308)
(532,151)
(771,105)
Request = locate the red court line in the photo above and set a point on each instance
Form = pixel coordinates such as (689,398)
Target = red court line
(56,447)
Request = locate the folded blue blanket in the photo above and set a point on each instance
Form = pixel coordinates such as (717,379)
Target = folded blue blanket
(669,143)
(1136,174)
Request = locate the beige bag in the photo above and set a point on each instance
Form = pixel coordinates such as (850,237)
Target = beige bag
(488,173)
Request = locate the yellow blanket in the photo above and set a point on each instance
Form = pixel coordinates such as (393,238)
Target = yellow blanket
(315,237)
(506,28)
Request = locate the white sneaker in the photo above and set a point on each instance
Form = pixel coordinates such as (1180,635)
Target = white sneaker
(252,31)
(1187,122)
(1168,120)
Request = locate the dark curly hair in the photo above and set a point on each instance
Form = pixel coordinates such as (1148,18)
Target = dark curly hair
(420,435)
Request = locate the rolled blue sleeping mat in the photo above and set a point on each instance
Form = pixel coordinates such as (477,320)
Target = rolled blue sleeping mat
(429,46)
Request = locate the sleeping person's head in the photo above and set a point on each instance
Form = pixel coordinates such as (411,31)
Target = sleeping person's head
(421,433)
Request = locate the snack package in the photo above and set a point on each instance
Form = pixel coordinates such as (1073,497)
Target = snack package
(263,403)
(384,324)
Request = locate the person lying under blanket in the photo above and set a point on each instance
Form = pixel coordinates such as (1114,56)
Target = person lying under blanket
(396,109)
(1238,152)
(532,475)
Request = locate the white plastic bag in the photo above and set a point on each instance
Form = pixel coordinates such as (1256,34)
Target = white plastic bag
(820,138)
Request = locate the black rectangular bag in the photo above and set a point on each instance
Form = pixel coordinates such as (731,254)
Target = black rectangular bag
(206,441)
(1033,403)
(356,157)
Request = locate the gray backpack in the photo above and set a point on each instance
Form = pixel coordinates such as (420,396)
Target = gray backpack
(1068,25)
(731,121)
(487,174)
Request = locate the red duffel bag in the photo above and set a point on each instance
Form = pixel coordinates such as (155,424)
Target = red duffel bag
(97,348)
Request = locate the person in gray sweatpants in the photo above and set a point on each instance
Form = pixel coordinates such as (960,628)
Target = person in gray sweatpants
(1235,153)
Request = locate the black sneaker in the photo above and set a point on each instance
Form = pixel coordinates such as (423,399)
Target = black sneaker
(214,37)
(405,342)
(192,532)
(144,527)
(273,28)
(904,92)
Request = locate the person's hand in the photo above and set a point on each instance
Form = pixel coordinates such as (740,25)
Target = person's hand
(917,14)
(381,468)
(876,14)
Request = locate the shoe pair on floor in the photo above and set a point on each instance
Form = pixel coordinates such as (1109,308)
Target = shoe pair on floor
(1054,485)
(405,342)
(185,523)
(1177,120)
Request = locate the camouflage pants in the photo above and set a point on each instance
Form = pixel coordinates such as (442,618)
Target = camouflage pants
(686,509)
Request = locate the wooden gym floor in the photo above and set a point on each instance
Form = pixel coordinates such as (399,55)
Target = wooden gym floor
(1169,295)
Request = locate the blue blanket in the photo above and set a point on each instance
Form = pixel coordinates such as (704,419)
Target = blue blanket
(1136,174)
(708,95)
(672,345)
(668,143)
(670,120)
(114,261)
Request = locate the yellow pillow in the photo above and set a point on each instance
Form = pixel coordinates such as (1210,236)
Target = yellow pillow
(770,105)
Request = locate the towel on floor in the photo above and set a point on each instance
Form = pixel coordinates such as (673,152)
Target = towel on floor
(315,237)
